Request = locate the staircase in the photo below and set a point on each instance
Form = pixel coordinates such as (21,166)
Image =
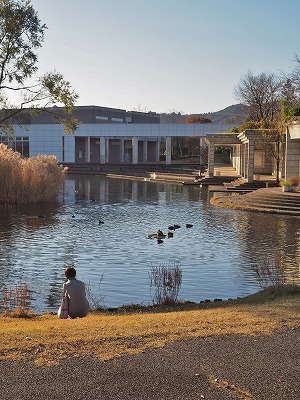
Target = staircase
(243,185)
(214,181)
(142,169)
(272,200)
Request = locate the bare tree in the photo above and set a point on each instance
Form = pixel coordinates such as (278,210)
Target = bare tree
(294,76)
(289,95)
(261,94)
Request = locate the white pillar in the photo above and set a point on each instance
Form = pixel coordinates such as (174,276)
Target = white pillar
(202,150)
(238,159)
(145,150)
(246,160)
(168,150)
(250,160)
(135,150)
(122,150)
(107,150)
(243,160)
(292,156)
(102,150)
(157,149)
(87,149)
(211,159)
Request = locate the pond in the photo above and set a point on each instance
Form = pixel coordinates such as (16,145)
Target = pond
(216,254)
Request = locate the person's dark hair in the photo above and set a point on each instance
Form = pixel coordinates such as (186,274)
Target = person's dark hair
(70,272)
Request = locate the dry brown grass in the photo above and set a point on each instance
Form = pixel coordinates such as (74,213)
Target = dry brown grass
(46,339)
(29,180)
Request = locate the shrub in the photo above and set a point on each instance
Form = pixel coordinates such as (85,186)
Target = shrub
(271,272)
(96,302)
(15,298)
(292,181)
(166,281)
(31,180)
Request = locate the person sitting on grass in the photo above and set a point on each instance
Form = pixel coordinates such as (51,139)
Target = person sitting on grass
(75,290)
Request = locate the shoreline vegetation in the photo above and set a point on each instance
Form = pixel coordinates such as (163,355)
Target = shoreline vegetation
(104,334)
(29,180)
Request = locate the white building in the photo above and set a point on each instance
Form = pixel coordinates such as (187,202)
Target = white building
(105,135)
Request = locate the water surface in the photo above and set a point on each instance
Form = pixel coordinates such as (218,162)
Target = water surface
(216,255)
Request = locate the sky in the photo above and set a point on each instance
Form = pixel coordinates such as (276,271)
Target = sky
(166,55)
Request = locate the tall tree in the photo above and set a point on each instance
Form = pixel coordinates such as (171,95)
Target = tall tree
(21,35)
(261,94)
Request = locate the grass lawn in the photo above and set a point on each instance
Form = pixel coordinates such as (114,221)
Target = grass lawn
(46,340)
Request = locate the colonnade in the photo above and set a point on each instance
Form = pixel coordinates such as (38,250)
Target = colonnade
(135,149)
(242,154)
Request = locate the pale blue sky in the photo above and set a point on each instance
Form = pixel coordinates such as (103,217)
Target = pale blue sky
(182,55)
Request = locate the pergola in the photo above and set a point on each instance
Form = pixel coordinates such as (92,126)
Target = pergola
(243,145)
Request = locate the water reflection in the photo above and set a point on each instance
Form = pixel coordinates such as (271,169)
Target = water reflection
(272,236)
(216,255)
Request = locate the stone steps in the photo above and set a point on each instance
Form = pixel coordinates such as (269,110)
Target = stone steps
(134,169)
(241,184)
(270,199)
(215,181)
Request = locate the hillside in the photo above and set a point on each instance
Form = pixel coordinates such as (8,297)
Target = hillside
(234,114)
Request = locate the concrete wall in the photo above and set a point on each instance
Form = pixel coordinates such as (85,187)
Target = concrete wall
(292,162)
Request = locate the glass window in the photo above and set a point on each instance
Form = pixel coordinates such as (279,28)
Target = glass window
(25,153)
(18,147)
(19,144)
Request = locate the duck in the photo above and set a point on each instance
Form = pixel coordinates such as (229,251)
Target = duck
(170,234)
(159,241)
(158,235)
(176,226)
(171,228)
(101,222)
(189,225)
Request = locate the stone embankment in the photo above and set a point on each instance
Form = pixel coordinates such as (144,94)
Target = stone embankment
(175,173)
(270,200)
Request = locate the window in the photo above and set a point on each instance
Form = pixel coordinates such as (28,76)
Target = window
(102,118)
(18,143)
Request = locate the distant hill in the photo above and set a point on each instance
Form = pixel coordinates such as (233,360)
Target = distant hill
(234,114)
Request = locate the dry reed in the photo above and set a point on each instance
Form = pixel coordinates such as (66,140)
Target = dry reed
(30,180)
(166,281)
(16,297)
